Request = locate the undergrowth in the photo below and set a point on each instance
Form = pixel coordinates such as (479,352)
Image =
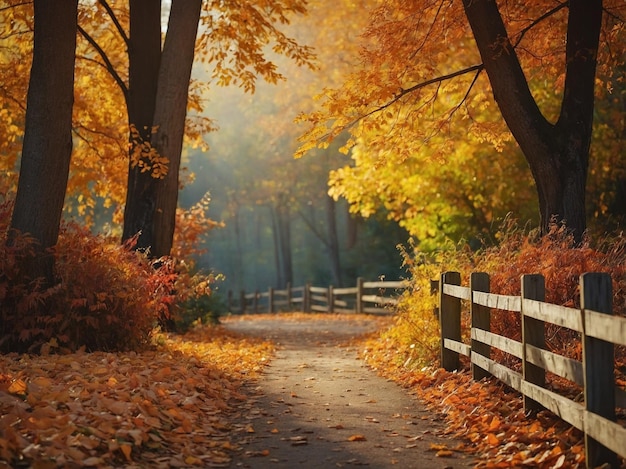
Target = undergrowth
(414,339)
(106,296)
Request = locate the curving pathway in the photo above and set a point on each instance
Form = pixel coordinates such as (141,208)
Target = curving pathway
(319,406)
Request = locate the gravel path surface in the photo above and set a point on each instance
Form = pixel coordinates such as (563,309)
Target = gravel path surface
(319,406)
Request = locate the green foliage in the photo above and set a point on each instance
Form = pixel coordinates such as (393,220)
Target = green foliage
(196,303)
(514,252)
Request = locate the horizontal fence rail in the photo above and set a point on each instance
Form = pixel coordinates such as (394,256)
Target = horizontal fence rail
(599,330)
(365,297)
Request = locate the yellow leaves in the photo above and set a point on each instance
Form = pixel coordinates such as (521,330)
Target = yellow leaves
(357,437)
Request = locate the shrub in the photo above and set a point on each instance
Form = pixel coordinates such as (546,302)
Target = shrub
(107,296)
(516,252)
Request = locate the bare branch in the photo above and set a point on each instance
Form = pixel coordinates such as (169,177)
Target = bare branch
(547,14)
(116,22)
(107,63)
(403,92)
(15,5)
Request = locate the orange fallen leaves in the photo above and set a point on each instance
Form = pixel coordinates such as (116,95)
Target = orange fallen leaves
(168,407)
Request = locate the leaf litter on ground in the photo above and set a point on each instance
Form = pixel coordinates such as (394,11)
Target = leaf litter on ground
(486,414)
(166,407)
(172,406)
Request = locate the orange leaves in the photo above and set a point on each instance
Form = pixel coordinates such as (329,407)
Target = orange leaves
(162,408)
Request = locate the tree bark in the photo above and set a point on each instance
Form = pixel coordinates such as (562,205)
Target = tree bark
(333,240)
(47,145)
(144,57)
(170,114)
(558,154)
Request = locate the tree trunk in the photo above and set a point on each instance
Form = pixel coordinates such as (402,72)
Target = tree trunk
(333,240)
(144,57)
(170,114)
(47,145)
(558,154)
(283,227)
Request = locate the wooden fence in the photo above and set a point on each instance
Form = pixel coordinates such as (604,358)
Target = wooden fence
(365,297)
(599,332)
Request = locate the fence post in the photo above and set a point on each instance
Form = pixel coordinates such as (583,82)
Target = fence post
(481,319)
(359,294)
(306,298)
(256,301)
(242,302)
(331,299)
(533,333)
(598,365)
(288,296)
(270,300)
(450,320)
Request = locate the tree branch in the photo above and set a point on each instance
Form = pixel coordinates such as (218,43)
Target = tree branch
(403,92)
(547,14)
(116,22)
(107,63)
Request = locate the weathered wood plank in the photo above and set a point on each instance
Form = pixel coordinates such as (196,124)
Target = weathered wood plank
(510,346)
(318,289)
(605,327)
(504,374)
(557,364)
(568,410)
(504,302)
(464,293)
(386,284)
(449,320)
(345,291)
(605,432)
(458,347)
(555,314)
(481,320)
(381,300)
(596,293)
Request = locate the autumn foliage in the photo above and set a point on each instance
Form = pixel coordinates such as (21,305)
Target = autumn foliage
(108,296)
(514,252)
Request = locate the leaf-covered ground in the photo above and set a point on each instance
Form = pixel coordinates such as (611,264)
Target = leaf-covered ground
(486,414)
(173,406)
(167,407)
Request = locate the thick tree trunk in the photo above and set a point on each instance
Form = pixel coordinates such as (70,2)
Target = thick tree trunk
(47,146)
(170,114)
(144,57)
(558,154)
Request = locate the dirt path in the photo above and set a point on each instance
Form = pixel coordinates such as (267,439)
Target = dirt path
(318,406)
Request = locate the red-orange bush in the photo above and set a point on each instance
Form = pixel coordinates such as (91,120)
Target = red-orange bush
(108,297)
(517,252)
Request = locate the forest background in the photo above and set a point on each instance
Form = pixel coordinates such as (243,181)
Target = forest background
(277,213)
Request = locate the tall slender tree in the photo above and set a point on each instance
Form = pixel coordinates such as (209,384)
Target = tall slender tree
(144,59)
(169,116)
